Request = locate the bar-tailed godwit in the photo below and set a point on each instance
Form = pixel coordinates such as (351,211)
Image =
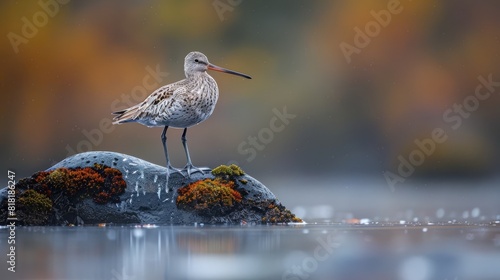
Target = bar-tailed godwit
(180,105)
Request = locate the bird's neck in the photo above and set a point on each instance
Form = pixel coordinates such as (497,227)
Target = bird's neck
(193,74)
(198,76)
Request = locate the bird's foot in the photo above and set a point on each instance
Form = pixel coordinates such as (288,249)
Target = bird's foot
(172,170)
(190,169)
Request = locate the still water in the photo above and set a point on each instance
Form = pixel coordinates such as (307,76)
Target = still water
(407,251)
(352,232)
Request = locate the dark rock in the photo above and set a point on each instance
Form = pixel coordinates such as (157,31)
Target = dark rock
(89,188)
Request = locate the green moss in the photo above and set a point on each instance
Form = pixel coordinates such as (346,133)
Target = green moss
(208,197)
(47,194)
(231,170)
(34,208)
(59,178)
(35,201)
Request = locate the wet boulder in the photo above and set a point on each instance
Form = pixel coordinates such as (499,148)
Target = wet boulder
(114,188)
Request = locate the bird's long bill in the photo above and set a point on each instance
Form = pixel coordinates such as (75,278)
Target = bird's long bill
(220,69)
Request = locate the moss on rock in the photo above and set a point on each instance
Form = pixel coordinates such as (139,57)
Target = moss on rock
(231,171)
(225,195)
(34,207)
(45,193)
(101,183)
(208,197)
(82,189)
(277,213)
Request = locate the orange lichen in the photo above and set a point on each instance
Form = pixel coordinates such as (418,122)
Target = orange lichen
(45,194)
(277,213)
(102,183)
(214,196)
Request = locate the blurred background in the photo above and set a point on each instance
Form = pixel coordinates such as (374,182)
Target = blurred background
(358,92)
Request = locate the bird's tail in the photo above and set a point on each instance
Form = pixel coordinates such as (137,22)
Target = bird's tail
(127,115)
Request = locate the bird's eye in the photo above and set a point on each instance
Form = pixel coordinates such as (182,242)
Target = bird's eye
(196,60)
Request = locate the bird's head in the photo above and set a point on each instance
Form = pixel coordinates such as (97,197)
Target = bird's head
(198,62)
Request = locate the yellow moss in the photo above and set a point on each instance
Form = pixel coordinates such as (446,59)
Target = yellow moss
(208,194)
(58,177)
(231,170)
(34,202)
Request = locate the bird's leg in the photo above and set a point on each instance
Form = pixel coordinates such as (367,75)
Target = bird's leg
(189,166)
(170,169)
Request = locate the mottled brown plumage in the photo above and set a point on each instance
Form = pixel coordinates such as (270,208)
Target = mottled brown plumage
(181,104)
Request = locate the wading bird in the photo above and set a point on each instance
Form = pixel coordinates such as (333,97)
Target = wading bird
(179,105)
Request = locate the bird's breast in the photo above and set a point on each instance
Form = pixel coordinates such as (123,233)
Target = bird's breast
(194,106)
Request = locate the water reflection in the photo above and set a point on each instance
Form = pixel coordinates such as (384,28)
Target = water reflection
(321,251)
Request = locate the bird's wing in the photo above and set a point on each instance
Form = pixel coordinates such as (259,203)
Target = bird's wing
(143,109)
